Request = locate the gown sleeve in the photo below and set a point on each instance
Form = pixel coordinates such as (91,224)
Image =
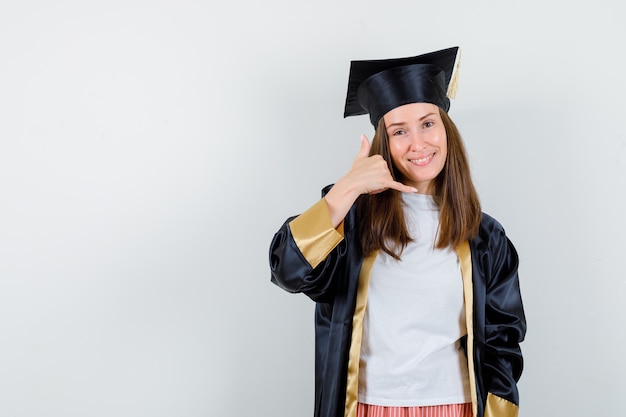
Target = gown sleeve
(505,326)
(305,253)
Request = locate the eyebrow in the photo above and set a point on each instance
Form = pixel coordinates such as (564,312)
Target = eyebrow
(420,119)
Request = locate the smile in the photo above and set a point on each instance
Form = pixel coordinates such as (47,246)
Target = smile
(422,161)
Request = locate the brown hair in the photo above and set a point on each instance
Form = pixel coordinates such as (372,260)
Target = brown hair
(382,223)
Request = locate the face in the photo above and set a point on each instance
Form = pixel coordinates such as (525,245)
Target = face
(418,143)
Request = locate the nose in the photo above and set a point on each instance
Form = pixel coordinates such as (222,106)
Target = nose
(417,142)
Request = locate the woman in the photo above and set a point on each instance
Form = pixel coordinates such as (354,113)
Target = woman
(418,308)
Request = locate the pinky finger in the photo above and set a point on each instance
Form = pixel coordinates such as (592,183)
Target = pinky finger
(404,188)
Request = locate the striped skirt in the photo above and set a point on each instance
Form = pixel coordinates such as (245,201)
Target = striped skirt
(447,410)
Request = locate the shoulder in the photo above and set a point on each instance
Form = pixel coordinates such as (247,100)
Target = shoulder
(493,255)
(489,225)
(492,236)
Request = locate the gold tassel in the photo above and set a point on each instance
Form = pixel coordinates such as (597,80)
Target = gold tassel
(454,79)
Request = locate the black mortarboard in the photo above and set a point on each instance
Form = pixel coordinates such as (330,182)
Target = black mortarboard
(377,86)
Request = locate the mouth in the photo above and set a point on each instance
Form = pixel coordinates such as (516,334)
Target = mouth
(422,161)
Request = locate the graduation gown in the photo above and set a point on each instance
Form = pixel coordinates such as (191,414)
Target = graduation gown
(308,255)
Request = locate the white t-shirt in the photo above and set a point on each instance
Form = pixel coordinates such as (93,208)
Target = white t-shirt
(414,320)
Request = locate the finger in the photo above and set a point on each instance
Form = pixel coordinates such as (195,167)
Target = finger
(394,185)
(401,187)
(365,148)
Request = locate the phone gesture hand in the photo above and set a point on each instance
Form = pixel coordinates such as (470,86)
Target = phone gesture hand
(371,175)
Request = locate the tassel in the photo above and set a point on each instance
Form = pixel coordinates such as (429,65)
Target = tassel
(454,79)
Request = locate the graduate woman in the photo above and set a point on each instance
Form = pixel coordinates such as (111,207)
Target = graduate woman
(418,307)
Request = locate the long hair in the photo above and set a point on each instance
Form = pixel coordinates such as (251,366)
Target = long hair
(382,223)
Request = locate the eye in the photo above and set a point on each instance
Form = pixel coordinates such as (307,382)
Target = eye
(428,124)
(398,132)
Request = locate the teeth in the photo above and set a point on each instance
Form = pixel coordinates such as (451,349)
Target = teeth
(419,161)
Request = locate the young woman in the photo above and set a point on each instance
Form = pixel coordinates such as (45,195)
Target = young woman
(418,307)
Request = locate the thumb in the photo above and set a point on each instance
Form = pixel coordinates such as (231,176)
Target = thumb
(365,148)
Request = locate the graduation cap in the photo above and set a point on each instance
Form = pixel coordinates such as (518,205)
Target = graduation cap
(378,86)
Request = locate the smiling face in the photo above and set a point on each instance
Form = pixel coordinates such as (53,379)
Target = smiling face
(417,143)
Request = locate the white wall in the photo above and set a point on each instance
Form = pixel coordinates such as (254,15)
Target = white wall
(150,149)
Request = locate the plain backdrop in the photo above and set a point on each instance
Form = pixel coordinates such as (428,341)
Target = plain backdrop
(150,149)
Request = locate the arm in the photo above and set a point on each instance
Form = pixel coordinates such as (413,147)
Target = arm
(505,327)
(302,254)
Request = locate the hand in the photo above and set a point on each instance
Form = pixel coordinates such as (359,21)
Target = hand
(368,175)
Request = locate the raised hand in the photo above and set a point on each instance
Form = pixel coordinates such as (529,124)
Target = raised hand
(368,174)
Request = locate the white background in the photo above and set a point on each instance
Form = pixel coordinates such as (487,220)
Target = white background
(150,149)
